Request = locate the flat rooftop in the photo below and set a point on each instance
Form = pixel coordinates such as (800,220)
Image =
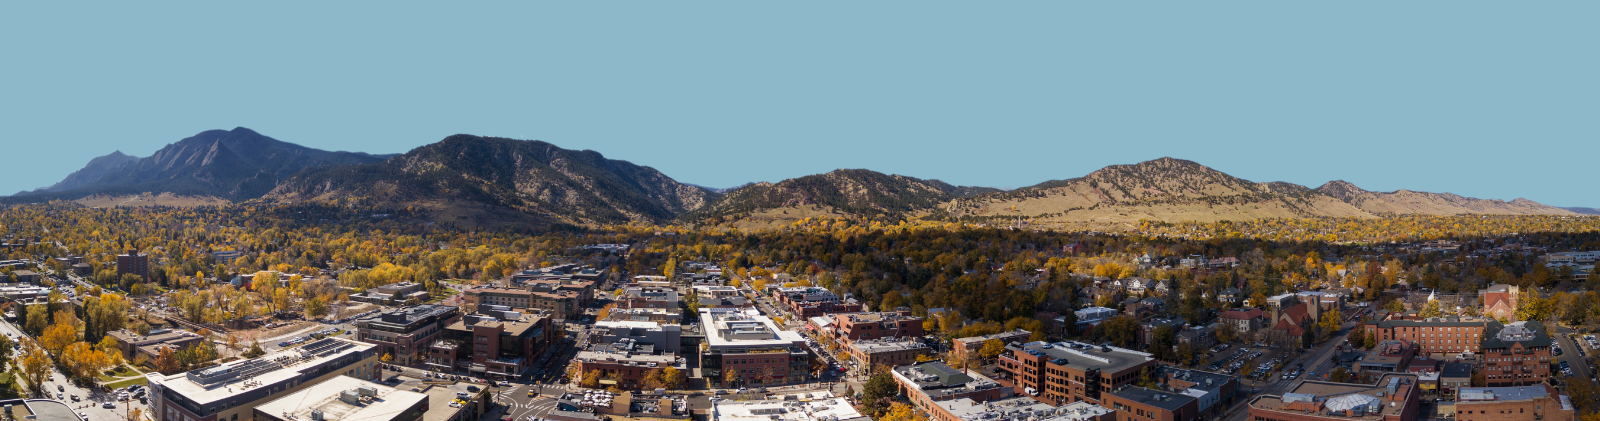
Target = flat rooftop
(1160,399)
(937,380)
(372,401)
(880,346)
(785,410)
(736,327)
(1082,356)
(514,327)
(1018,409)
(230,378)
(1324,399)
(1001,335)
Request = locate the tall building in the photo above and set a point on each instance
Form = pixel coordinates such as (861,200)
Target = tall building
(1517,354)
(1066,372)
(229,392)
(405,333)
(133,262)
(745,348)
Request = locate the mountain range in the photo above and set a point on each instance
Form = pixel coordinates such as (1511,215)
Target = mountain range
(478,180)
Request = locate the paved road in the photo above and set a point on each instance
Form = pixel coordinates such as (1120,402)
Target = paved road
(1569,353)
(90,399)
(1319,361)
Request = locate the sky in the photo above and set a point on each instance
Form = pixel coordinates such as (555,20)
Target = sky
(1488,99)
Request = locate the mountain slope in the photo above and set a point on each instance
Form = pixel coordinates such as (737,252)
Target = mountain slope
(1407,201)
(849,191)
(1584,211)
(236,165)
(1163,189)
(94,171)
(506,177)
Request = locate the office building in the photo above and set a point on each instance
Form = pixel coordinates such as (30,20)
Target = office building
(230,391)
(1067,372)
(406,332)
(744,348)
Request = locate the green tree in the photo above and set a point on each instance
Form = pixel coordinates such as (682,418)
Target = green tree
(877,392)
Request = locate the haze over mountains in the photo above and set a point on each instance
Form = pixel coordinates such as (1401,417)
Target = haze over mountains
(487,180)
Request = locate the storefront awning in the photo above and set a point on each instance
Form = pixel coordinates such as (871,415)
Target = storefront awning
(608,382)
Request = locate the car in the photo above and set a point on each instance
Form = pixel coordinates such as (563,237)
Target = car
(60,396)
(108,404)
(74,398)
(60,388)
(504,383)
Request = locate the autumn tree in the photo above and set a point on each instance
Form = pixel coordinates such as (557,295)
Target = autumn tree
(902,412)
(1431,309)
(591,379)
(35,366)
(673,377)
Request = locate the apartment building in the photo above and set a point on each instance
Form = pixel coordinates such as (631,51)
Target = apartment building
(1438,336)
(1516,354)
(405,333)
(560,304)
(1066,372)
(814,301)
(230,391)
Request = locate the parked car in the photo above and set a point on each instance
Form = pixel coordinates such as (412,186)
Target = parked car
(108,404)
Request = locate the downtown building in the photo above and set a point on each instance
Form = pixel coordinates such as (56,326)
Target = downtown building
(405,333)
(230,391)
(1517,354)
(1066,372)
(495,342)
(1395,397)
(744,348)
(1435,335)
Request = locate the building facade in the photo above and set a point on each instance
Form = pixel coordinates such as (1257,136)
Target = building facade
(405,333)
(1066,372)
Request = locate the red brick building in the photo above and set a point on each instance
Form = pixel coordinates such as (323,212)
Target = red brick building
(1070,371)
(964,346)
(1525,403)
(1500,301)
(497,346)
(1439,336)
(1517,354)
(851,327)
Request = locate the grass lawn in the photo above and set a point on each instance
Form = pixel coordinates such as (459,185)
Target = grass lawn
(120,371)
(126,383)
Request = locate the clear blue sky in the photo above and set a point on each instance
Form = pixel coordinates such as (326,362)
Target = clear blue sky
(1486,99)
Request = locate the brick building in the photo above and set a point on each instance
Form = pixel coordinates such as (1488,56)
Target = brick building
(886,352)
(1438,336)
(1517,354)
(405,333)
(499,344)
(815,301)
(1524,403)
(1071,371)
(135,263)
(1500,301)
(965,346)
(852,327)
(744,348)
(625,363)
(1211,390)
(1141,404)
